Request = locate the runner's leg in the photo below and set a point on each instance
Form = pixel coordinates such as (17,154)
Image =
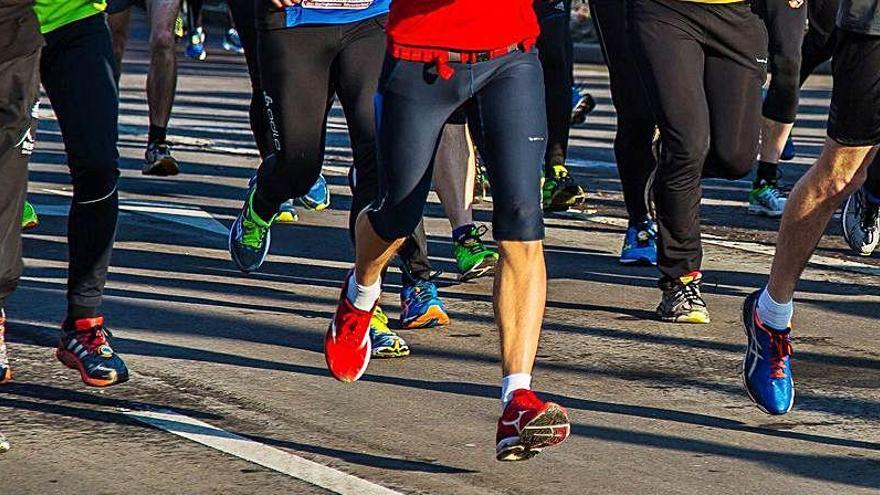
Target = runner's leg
(162,75)
(76,71)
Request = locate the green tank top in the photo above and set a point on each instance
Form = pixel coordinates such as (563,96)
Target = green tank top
(54,14)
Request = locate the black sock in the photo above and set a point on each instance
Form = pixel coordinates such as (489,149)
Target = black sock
(263,208)
(768,172)
(157,134)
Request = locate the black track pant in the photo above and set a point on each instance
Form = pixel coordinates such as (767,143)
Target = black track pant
(635,124)
(245,23)
(301,69)
(785,27)
(702,66)
(77,71)
(19,90)
(556,49)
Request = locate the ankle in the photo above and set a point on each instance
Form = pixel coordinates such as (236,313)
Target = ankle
(363,297)
(513,382)
(459,232)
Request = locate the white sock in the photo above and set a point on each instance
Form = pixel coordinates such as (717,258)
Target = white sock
(363,297)
(774,315)
(512,383)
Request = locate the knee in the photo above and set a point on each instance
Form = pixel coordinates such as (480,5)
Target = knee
(838,180)
(517,221)
(94,180)
(393,221)
(733,162)
(786,73)
(682,162)
(162,41)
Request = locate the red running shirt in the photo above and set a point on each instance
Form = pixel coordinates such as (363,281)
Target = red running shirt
(466,25)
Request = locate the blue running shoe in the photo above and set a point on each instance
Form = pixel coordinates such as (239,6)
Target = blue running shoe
(250,236)
(766,371)
(789,151)
(195,47)
(318,197)
(640,245)
(421,307)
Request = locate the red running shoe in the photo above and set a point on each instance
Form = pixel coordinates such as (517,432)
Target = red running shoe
(347,344)
(528,426)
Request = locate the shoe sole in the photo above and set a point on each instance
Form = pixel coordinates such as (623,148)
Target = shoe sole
(485,268)
(763,212)
(286,217)
(539,434)
(693,318)
(162,168)
(847,234)
(68,359)
(390,353)
(638,262)
(745,382)
(434,317)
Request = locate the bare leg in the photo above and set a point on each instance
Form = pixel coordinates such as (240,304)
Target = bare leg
(119,24)
(372,253)
(773,137)
(838,172)
(162,77)
(454,173)
(520,295)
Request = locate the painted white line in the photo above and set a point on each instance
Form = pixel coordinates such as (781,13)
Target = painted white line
(753,247)
(186,215)
(258,453)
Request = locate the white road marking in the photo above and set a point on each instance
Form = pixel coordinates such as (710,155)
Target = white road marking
(186,215)
(258,453)
(753,247)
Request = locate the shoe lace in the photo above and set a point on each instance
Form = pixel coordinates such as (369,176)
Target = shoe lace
(473,242)
(93,338)
(689,295)
(253,235)
(780,348)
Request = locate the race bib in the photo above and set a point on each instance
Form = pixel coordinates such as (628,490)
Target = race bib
(337,4)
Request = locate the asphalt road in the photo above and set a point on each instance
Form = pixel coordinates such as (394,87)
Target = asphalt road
(656,408)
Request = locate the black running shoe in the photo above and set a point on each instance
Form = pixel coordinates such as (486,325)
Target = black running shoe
(159,161)
(682,301)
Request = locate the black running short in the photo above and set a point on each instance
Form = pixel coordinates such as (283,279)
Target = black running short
(854,119)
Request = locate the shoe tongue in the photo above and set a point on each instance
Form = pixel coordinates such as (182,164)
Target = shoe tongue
(690,278)
(84,324)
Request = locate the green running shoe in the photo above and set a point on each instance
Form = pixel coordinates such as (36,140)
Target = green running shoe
(560,192)
(474,259)
(29,218)
(385,343)
(250,236)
